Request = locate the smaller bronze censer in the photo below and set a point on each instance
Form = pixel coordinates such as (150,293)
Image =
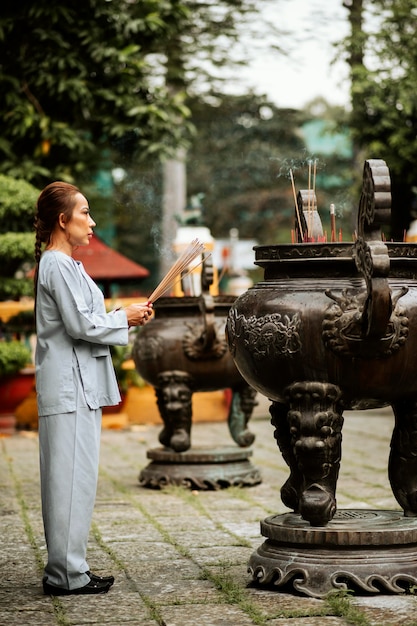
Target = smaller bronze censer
(181,351)
(333,327)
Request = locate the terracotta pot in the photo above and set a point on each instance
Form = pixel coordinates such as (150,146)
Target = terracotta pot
(14,389)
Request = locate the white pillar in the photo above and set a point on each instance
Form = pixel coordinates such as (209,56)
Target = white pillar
(173,204)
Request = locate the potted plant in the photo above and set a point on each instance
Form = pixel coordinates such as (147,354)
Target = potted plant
(15,380)
(14,356)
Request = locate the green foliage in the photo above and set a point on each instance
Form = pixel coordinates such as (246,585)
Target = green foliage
(384,115)
(17,239)
(239,159)
(17,246)
(78,78)
(126,373)
(202,54)
(236,159)
(17,205)
(14,355)
(340,604)
(75,79)
(15,288)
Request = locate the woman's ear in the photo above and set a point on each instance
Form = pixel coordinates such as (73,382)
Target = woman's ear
(62,221)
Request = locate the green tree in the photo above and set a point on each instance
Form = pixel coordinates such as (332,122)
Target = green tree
(17,202)
(382,52)
(76,78)
(200,55)
(239,159)
(91,85)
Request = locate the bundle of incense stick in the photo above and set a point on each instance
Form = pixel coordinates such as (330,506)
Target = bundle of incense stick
(193,250)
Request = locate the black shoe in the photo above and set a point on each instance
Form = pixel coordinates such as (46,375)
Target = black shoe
(91,587)
(100,579)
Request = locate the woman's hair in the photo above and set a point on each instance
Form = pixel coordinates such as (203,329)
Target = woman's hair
(56,198)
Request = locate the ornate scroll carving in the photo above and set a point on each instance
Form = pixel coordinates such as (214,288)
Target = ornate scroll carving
(316,561)
(370,253)
(204,469)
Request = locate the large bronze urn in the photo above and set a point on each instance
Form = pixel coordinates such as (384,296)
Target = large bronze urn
(333,326)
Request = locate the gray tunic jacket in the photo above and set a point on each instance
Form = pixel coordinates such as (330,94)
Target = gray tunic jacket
(71,319)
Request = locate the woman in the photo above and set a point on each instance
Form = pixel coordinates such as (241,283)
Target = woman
(74,379)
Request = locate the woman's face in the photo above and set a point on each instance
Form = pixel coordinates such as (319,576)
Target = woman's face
(79,229)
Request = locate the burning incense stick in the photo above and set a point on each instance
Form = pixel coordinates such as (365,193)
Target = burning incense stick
(195,249)
(314,176)
(314,180)
(332,223)
(309,213)
(311,196)
(296,206)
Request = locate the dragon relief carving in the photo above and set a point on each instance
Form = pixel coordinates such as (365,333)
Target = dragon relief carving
(265,336)
(343,331)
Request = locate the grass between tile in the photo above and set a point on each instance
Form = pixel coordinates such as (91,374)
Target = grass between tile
(232,592)
(341,605)
(58,608)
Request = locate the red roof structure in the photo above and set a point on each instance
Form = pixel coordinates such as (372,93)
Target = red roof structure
(107,266)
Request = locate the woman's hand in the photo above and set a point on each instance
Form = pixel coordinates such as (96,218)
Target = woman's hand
(138,314)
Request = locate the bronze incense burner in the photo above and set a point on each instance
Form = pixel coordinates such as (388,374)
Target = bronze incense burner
(332,327)
(184,350)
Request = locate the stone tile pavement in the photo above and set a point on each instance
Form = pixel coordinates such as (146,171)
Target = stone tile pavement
(180,556)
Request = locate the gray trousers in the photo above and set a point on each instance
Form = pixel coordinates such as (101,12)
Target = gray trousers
(69,457)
